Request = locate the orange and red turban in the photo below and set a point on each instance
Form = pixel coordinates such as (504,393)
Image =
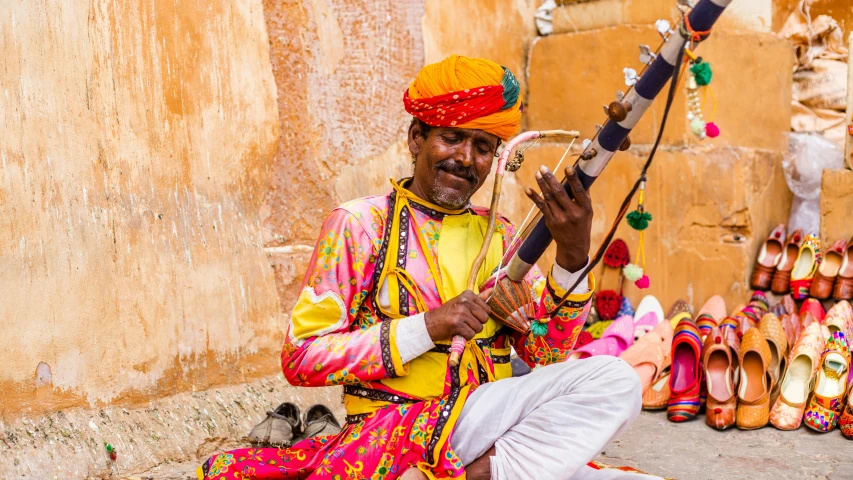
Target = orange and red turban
(466,92)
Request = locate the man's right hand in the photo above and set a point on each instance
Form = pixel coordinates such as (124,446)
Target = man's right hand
(464,315)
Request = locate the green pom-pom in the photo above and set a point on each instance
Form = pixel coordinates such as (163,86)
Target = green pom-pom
(633,272)
(538,328)
(702,73)
(639,220)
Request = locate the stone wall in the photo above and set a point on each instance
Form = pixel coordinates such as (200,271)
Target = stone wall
(136,145)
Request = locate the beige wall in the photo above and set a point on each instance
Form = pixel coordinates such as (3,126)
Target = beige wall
(136,145)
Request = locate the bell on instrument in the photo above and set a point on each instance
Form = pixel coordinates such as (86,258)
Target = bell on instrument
(512,304)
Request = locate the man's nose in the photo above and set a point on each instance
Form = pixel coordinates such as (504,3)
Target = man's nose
(465,153)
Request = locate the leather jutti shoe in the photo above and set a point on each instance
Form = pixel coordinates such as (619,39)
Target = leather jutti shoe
(792,327)
(827,272)
(650,354)
(686,377)
(719,380)
(771,327)
(781,282)
(710,315)
(617,337)
(843,289)
(814,307)
(657,395)
(805,267)
(839,318)
(826,402)
(798,379)
(768,259)
(845,423)
(753,397)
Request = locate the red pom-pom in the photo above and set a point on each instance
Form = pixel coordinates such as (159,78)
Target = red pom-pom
(617,255)
(712,130)
(608,303)
(643,282)
(583,338)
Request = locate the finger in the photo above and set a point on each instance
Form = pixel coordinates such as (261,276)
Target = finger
(579,193)
(561,197)
(474,324)
(537,200)
(480,312)
(485,294)
(547,194)
(464,330)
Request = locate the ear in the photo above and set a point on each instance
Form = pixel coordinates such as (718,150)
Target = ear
(415,138)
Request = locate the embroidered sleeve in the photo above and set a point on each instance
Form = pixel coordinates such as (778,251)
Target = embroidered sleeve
(323,346)
(562,328)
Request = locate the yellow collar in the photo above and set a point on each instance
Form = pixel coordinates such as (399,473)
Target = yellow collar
(403,192)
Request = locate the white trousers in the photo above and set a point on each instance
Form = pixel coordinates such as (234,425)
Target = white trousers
(550,423)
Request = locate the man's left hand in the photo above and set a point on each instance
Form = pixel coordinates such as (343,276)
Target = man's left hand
(568,219)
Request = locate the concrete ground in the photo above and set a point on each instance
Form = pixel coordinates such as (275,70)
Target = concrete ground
(693,451)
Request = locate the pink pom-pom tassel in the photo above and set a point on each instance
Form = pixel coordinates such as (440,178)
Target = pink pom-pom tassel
(643,283)
(712,130)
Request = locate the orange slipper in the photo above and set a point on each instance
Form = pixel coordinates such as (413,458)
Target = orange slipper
(753,397)
(710,315)
(650,354)
(771,327)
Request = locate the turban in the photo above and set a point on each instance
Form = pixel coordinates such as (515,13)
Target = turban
(465,92)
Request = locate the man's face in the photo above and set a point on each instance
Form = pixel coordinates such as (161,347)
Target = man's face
(450,163)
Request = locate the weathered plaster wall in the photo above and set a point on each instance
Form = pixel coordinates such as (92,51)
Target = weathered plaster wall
(136,145)
(836,206)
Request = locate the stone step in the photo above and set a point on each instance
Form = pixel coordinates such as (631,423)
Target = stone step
(571,75)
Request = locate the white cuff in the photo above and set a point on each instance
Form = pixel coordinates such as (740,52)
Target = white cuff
(566,279)
(413,339)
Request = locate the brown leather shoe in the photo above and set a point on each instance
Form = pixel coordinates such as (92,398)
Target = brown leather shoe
(753,410)
(824,278)
(844,283)
(719,381)
(781,282)
(768,259)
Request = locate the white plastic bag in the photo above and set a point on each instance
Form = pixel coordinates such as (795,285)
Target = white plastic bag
(808,156)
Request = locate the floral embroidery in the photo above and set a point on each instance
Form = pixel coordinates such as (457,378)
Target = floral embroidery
(220,464)
(329,250)
(378,437)
(370,364)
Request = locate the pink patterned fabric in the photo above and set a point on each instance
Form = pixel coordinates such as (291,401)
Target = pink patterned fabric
(404,430)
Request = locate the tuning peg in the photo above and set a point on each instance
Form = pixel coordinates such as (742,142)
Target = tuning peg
(586,143)
(664,28)
(598,127)
(625,145)
(646,54)
(631,76)
(620,95)
(588,154)
(618,111)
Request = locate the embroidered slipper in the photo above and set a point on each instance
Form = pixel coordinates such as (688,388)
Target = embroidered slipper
(830,386)
(649,304)
(805,268)
(685,381)
(279,428)
(615,339)
(798,380)
(839,318)
(710,315)
(650,354)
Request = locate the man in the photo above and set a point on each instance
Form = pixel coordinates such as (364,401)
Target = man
(385,293)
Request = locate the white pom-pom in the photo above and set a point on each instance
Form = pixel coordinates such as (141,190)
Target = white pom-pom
(632,272)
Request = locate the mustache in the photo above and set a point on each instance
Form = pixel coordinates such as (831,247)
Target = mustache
(453,168)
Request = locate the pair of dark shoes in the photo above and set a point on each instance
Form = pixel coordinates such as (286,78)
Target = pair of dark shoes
(285,426)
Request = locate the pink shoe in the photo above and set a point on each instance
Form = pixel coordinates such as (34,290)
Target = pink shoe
(815,308)
(650,354)
(648,314)
(710,315)
(617,337)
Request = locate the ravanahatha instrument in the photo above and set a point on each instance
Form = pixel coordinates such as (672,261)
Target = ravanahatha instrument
(623,114)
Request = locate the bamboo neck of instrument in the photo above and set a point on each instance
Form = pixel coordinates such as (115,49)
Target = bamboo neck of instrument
(490,230)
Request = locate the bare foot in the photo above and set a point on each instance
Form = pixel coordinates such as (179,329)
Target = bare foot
(481,468)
